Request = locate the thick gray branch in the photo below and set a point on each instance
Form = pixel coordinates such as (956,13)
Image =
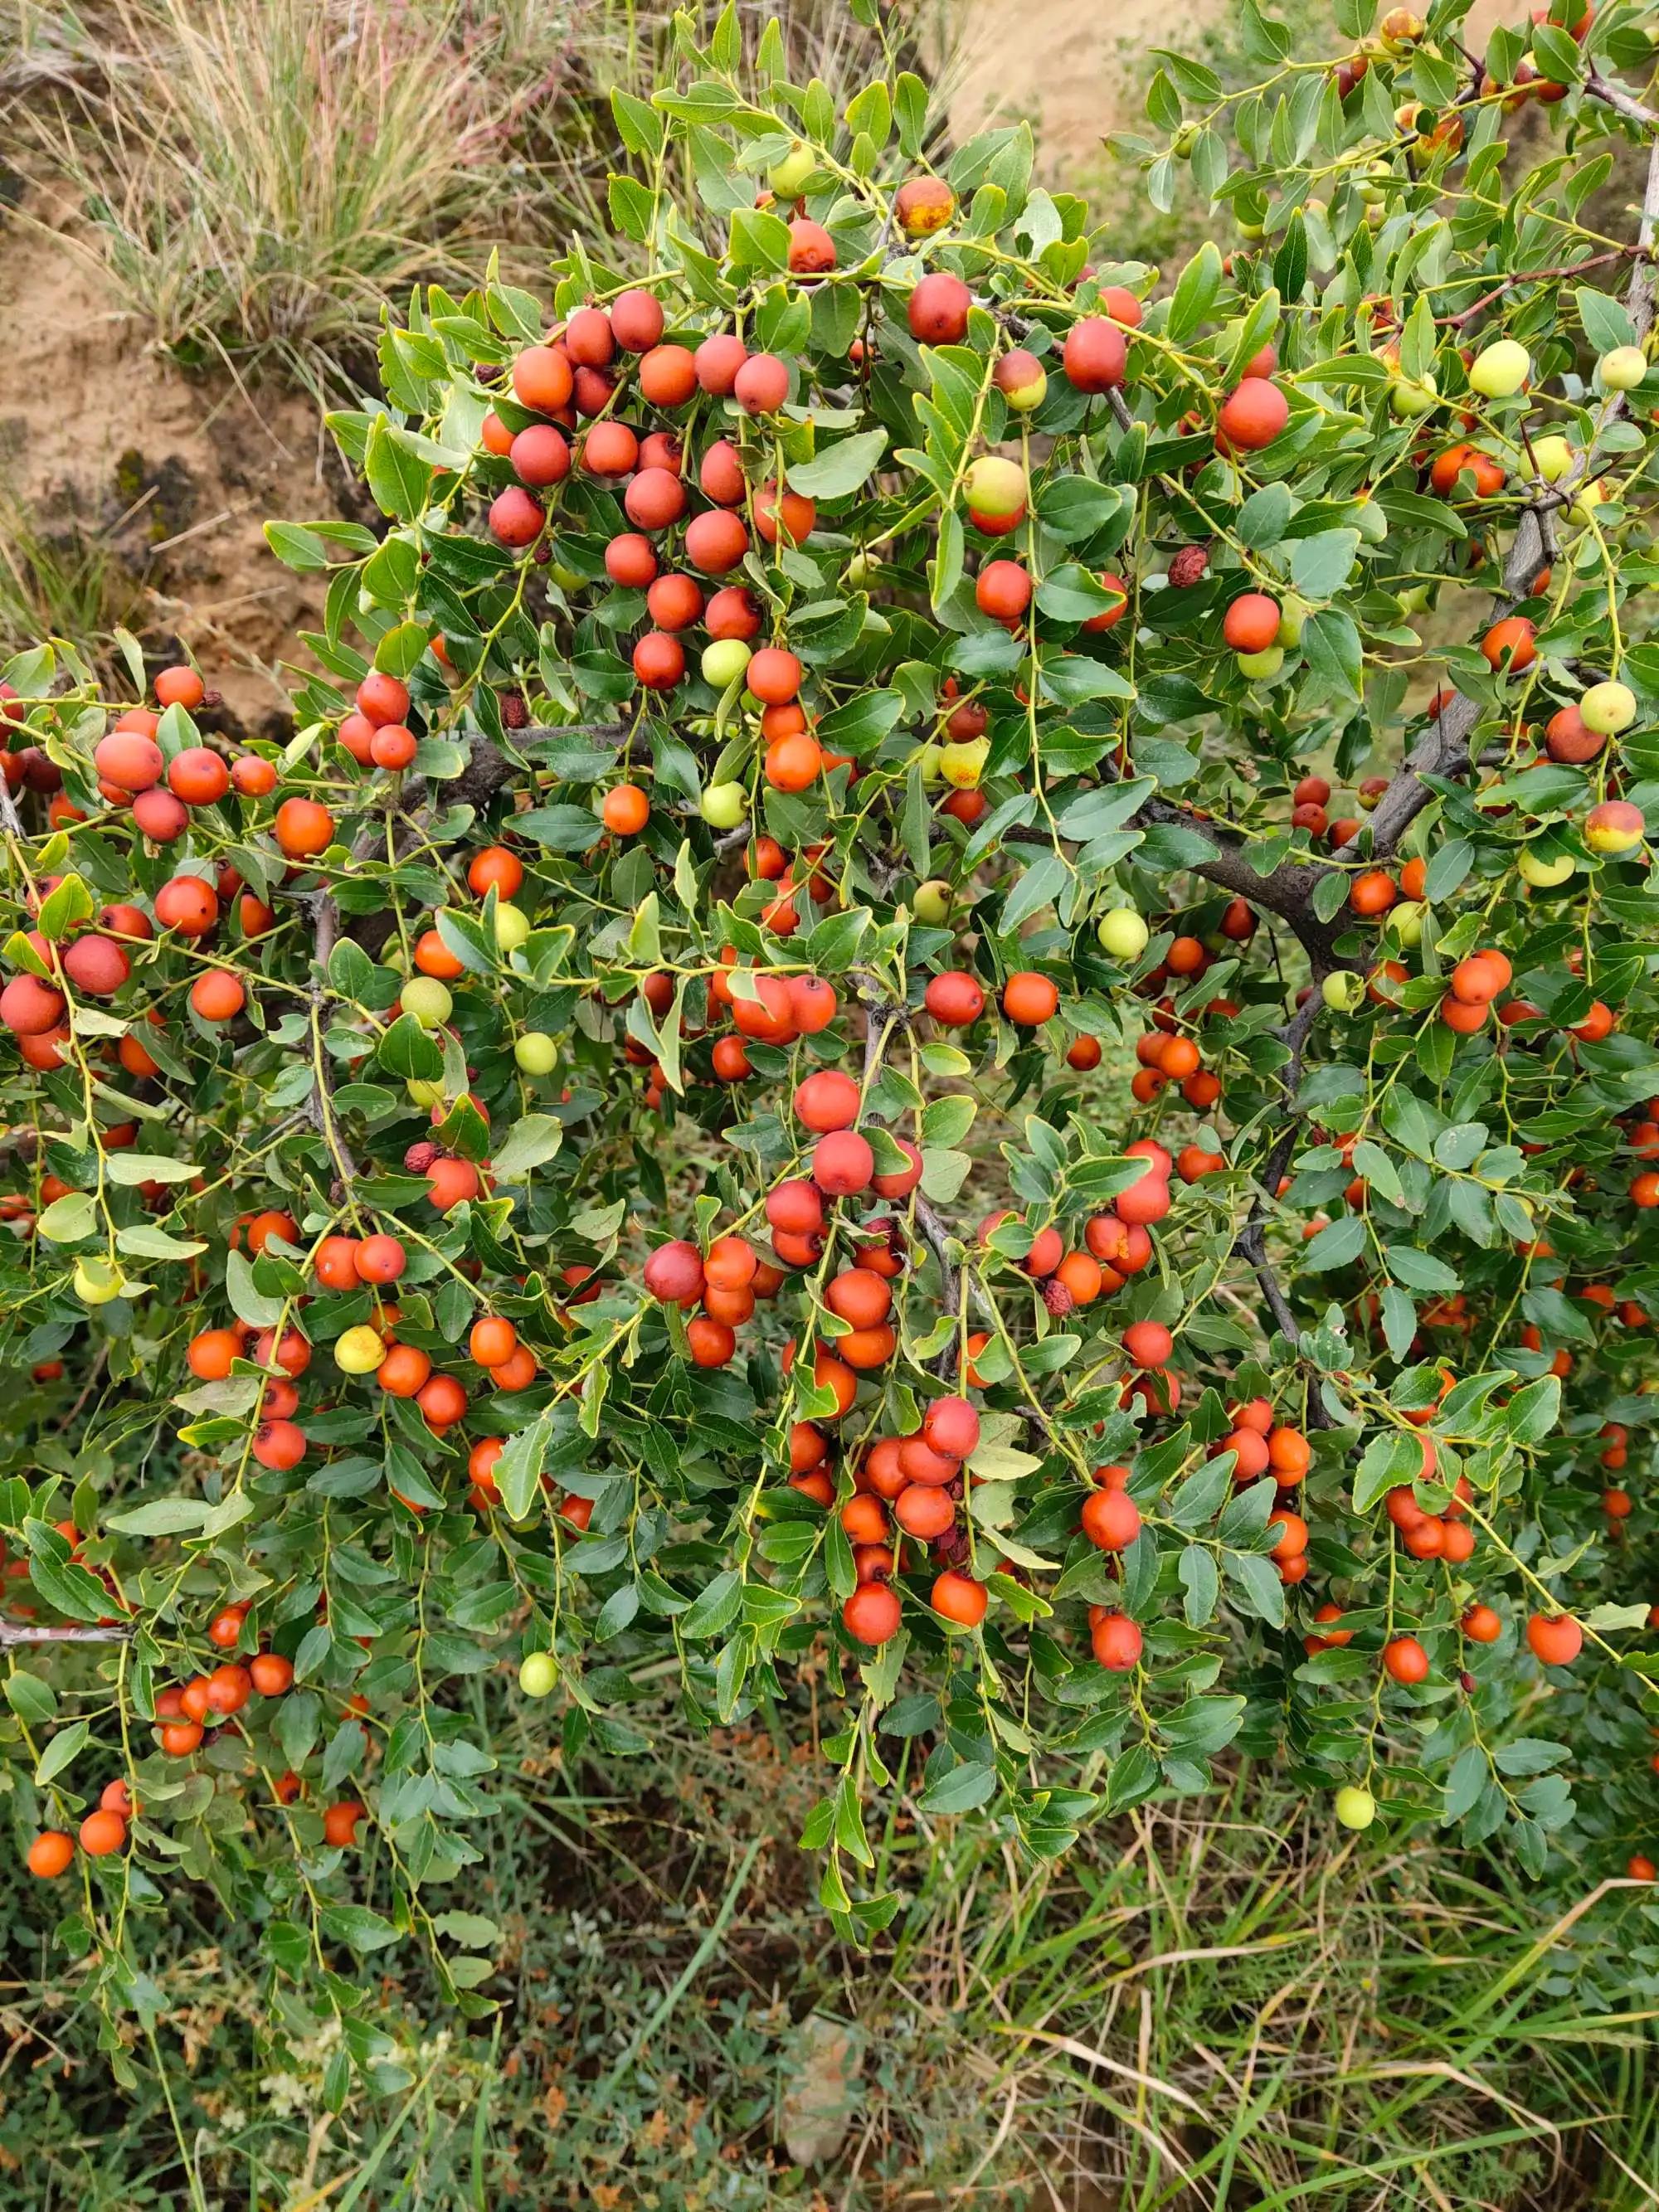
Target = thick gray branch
(20,1632)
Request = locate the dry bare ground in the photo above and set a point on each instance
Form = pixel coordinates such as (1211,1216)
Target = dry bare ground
(101,436)
(1075,72)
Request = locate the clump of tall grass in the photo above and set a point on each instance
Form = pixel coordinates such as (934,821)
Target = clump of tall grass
(64,582)
(258,175)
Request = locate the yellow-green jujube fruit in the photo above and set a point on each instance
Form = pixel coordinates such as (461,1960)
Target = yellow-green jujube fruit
(538,1672)
(1535,868)
(1356,1808)
(1404,923)
(1499,370)
(423,1090)
(359,1351)
(1410,397)
(512,927)
(1608,709)
(1343,991)
(931,902)
(1623,369)
(724,661)
(1292,618)
(1258,667)
(788,178)
(96,1282)
(995,486)
(536,1053)
(723,806)
(1123,933)
(1552,456)
(428,1000)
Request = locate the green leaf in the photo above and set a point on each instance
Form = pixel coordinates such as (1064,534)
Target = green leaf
(1201,1581)
(841,469)
(715,1608)
(532,1140)
(1255,1580)
(398,480)
(1265,516)
(61,1751)
(1464,1784)
(961,1790)
(1198,288)
(163,1516)
(1322,565)
(519,1470)
(357,1927)
(1338,1244)
(1391,1458)
(247,1302)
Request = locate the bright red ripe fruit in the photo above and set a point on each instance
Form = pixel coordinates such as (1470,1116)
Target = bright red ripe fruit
(1555,1639)
(829,1100)
(1111,1519)
(1251,622)
(717,362)
(938,309)
(954,999)
(1252,416)
(951,1426)
(673,1273)
(842,1164)
(1117,1642)
(515,519)
(1148,1343)
(872,1614)
(761,384)
(1095,354)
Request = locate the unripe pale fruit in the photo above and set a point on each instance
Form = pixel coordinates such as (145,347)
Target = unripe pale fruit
(360,1350)
(1623,369)
(1257,667)
(1413,396)
(931,773)
(428,1000)
(96,1282)
(723,806)
(1553,457)
(932,902)
(1356,1808)
(1292,617)
(423,1090)
(1533,868)
(962,762)
(535,1052)
(788,178)
(512,927)
(1123,933)
(995,486)
(1499,370)
(1343,991)
(724,662)
(1404,923)
(538,1673)
(1587,498)
(1606,709)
